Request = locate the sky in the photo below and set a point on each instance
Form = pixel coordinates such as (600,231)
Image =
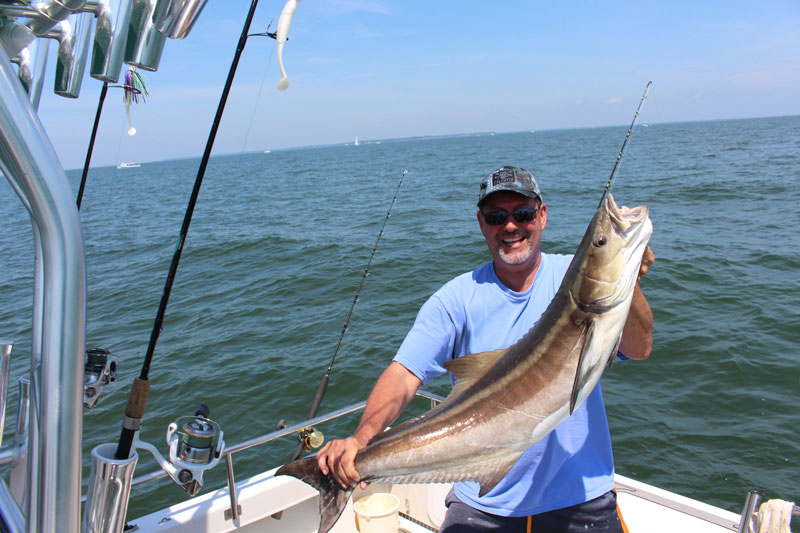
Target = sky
(376,69)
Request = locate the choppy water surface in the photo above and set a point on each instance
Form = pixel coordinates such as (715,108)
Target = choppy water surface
(279,242)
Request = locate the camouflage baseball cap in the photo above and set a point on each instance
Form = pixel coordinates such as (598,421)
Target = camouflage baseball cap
(511,179)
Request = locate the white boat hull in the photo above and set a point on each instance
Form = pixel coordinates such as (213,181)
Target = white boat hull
(284,504)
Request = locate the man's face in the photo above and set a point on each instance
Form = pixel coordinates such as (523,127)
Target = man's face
(513,242)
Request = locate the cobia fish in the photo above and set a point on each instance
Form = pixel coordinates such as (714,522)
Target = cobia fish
(281,35)
(531,386)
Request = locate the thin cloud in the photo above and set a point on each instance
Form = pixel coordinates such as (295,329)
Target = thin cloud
(615,100)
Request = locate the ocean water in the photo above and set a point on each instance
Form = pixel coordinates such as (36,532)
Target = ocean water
(279,242)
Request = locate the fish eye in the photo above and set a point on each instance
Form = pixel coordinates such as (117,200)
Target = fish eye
(600,241)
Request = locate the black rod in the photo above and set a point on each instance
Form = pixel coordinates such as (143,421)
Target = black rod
(323,386)
(134,411)
(621,150)
(103,92)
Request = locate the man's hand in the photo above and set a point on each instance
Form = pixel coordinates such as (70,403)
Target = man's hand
(648,258)
(338,458)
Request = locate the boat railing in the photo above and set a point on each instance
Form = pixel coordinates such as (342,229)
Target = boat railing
(435,399)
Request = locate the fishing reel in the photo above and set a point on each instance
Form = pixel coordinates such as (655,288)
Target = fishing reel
(195,445)
(310,438)
(307,437)
(97,373)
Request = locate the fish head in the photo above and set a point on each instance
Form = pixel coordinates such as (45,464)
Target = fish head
(610,255)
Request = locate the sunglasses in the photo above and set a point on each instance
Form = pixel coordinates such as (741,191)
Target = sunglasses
(520,214)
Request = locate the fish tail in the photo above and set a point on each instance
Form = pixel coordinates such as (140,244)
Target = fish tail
(332,497)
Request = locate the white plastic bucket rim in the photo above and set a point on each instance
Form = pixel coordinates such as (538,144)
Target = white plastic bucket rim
(377,513)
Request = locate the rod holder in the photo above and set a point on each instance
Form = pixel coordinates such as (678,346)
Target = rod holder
(110,39)
(175,18)
(109,490)
(5,369)
(145,42)
(751,504)
(73,53)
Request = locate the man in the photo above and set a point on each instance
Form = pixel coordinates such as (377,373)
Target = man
(565,481)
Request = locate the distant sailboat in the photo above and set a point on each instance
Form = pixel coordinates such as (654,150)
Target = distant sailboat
(356,143)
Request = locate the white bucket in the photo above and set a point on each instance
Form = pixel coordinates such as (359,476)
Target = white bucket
(377,513)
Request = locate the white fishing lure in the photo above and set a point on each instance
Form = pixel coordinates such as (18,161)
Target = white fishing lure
(284,22)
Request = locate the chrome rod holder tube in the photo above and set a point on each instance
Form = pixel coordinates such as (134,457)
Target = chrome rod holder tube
(73,52)
(110,39)
(5,369)
(751,504)
(109,490)
(18,480)
(145,42)
(33,20)
(32,64)
(175,18)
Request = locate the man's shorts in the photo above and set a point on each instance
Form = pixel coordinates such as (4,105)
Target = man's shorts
(594,516)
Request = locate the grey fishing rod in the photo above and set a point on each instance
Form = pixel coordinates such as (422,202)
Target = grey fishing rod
(622,150)
(323,386)
(134,411)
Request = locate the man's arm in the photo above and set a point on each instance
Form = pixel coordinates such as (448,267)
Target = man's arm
(394,390)
(637,335)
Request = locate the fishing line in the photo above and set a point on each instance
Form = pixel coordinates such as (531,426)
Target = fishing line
(323,386)
(134,411)
(263,80)
(622,150)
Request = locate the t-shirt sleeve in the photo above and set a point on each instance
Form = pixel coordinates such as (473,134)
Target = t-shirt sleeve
(429,343)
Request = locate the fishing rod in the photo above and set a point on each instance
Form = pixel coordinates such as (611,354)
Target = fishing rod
(133,86)
(103,92)
(134,411)
(621,150)
(323,386)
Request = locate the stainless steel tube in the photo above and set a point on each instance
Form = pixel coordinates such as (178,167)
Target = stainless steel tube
(5,369)
(34,21)
(145,42)
(110,39)
(28,160)
(751,504)
(73,53)
(109,490)
(175,18)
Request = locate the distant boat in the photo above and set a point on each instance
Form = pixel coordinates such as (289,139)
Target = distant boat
(128,165)
(266,151)
(356,143)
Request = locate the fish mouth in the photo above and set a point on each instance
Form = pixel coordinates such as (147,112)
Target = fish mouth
(624,218)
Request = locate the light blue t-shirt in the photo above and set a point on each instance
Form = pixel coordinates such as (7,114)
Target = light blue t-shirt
(475,313)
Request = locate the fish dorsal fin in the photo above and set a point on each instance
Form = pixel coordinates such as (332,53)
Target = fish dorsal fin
(468,369)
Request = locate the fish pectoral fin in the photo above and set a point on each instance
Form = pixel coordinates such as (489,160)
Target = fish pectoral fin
(613,355)
(491,477)
(468,369)
(584,370)
(332,497)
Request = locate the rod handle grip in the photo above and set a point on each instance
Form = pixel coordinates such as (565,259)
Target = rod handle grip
(138,398)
